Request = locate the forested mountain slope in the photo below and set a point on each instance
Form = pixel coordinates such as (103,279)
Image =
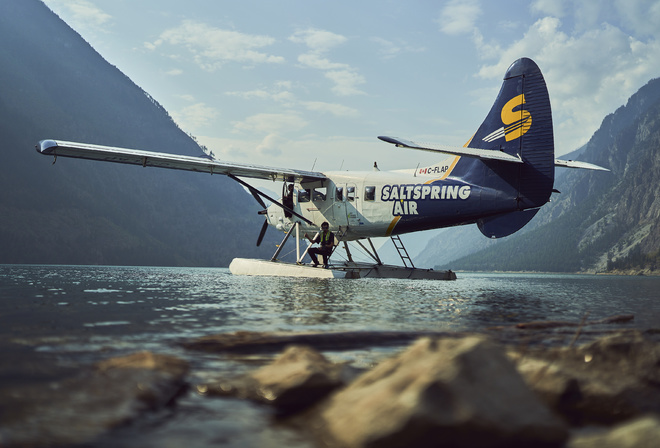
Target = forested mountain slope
(54,85)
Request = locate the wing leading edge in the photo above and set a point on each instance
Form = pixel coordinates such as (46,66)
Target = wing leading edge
(59,148)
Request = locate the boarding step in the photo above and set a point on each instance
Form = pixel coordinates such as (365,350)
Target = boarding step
(403,253)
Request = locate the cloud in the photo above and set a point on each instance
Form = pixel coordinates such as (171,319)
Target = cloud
(271,123)
(331,108)
(79,13)
(459,17)
(589,74)
(643,16)
(271,145)
(186,97)
(280,93)
(314,60)
(195,116)
(318,43)
(346,82)
(389,49)
(212,47)
(284,84)
(553,8)
(259,94)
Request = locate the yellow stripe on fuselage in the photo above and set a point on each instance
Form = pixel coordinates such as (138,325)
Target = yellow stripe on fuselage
(396,219)
(447,173)
(390,229)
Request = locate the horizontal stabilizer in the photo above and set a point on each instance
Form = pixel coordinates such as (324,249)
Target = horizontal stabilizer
(487,154)
(577,164)
(59,148)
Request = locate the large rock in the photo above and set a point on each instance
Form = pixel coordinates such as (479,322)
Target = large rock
(643,432)
(610,380)
(298,378)
(263,342)
(78,410)
(442,392)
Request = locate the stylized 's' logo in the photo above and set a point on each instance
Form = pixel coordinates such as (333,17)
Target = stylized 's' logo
(517,122)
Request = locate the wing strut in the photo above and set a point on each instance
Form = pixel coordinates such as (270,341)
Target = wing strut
(256,192)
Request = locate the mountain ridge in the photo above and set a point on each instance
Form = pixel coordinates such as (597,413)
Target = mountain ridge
(55,85)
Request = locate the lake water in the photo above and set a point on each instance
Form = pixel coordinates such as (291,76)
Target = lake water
(57,318)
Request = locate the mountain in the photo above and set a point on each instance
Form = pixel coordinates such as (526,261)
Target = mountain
(601,222)
(54,85)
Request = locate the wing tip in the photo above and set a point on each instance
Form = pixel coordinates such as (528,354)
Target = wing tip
(388,139)
(398,142)
(47,146)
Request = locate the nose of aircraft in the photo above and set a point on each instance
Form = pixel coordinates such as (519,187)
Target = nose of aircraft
(275,216)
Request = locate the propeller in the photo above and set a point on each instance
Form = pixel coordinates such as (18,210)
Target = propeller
(262,233)
(264,227)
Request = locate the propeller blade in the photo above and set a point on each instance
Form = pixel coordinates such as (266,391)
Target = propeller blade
(262,233)
(257,197)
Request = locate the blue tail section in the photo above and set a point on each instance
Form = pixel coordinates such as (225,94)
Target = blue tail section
(519,124)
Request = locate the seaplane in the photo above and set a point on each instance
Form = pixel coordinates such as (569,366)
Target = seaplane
(498,180)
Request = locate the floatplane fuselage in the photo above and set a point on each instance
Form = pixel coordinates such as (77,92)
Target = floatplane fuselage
(498,180)
(384,203)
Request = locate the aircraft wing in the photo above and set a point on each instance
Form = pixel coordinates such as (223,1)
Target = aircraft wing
(59,148)
(478,153)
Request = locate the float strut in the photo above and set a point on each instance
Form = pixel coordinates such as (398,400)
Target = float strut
(281,246)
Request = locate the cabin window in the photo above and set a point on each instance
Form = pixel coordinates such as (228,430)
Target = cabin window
(303,195)
(339,194)
(369,193)
(319,194)
(350,194)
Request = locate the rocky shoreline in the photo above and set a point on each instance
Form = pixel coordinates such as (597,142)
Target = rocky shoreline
(556,384)
(636,271)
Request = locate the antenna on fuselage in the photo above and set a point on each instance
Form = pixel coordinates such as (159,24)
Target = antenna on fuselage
(314,164)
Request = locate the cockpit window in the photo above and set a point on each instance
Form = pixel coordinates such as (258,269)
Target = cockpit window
(319,194)
(303,195)
(339,194)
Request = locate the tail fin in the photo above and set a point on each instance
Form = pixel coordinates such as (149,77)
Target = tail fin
(519,124)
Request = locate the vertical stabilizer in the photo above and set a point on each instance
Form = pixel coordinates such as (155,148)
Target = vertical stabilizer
(519,124)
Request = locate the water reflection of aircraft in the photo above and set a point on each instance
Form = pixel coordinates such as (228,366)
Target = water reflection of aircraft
(499,180)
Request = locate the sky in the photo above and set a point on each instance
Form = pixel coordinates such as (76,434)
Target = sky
(310,84)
